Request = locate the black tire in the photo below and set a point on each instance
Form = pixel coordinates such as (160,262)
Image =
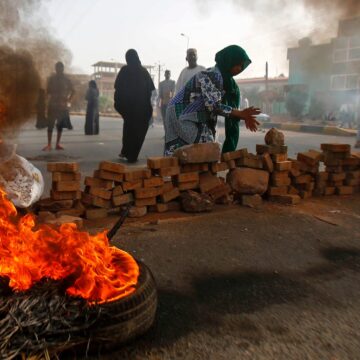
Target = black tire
(129,317)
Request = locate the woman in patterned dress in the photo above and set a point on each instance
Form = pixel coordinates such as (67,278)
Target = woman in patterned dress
(192,114)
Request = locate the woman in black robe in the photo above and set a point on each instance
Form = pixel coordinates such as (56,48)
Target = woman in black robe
(133,87)
(92,109)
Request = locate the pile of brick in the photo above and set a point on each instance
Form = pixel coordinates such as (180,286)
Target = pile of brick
(65,193)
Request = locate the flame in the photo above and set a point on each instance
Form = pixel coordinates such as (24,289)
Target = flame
(101,272)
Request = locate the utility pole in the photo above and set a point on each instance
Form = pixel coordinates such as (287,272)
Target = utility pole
(266,87)
(160,67)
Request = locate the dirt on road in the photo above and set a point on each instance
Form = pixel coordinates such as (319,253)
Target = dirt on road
(276,282)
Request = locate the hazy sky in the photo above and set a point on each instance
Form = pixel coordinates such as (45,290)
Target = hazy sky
(103,30)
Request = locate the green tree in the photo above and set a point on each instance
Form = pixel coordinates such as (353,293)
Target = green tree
(295,103)
(105,104)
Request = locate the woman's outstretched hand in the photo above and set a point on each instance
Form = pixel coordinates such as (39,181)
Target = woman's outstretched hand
(248,115)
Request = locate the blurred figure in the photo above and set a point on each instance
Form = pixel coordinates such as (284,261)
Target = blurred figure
(92,109)
(188,72)
(166,93)
(132,100)
(60,92)
(41,121)
(191,116)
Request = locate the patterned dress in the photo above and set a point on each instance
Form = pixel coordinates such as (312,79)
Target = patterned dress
(192,114)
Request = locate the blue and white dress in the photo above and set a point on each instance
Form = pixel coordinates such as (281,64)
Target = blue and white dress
(192,114)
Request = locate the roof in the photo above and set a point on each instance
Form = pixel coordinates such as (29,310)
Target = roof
(116,65)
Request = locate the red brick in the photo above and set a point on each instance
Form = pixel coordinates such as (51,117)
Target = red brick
(66,186)
(329,190)
(170,195)
(145,201)
(208,182)
(137,174)
(65,195)
(233,155)
(191,185)
(336,147)
(271,149)
(187,177)
(96,182)
(169,171)
(277,190)
(107,175)
(185,168)
(162,162)
(283,166)
(61,176)
(250,161)
(142,193)
(310,158)
(95,213)
(102,193)
(113,167)
(267,162)
(153,181)
(131,185)
(337,177)
(117,190)
(72,167)
(279,157)
(286,199)
(122,199)
(218,167)
(344,190)
(303,179)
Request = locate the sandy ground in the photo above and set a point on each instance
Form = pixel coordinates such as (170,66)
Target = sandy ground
(276,282)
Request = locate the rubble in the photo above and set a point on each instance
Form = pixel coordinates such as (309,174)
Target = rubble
(192,201)
(248,181)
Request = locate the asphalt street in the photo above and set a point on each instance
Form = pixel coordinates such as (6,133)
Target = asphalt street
(90,150)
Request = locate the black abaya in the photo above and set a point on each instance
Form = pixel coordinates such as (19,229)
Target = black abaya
(92,112)
(133,88)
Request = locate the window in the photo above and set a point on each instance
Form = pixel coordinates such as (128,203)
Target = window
(352,82)
(345,82)
(346,50)
(340,56)
(354,54)
(338,82)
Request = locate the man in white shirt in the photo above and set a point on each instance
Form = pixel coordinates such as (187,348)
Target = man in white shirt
(188,72)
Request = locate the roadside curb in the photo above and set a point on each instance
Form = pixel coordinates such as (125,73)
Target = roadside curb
(313,129)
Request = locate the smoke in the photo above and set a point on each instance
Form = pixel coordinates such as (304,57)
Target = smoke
(28,53)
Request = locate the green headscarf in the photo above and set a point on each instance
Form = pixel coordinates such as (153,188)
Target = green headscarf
(225,59)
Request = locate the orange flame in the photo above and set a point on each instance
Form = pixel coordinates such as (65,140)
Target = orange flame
(102,273)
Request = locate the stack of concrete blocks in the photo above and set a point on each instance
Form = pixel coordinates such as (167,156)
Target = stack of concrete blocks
(65,192)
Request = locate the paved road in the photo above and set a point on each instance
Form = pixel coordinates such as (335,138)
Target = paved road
(90,150)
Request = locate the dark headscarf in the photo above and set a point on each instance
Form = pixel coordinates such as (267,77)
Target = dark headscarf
(225,59)
(132,58)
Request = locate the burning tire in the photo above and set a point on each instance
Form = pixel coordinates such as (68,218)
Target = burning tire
(133,315)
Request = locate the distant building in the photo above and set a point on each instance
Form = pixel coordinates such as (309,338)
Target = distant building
(105,73)
(329,72)
(80,83)
(268,96)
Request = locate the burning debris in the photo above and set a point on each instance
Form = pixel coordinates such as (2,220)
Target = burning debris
(59,287)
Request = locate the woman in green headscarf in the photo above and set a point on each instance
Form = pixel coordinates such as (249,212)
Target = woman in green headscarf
(231,61)
(191,115)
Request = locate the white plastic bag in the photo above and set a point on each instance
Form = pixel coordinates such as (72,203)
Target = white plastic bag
(21,180)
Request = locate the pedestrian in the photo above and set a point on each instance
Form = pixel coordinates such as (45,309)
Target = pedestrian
(41,121)
(60,92)
(166,93)
(188,72)
(92,109)
(132,99)
(191,115)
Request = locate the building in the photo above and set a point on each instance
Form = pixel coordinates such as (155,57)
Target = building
(268,94)
(80,83)
(328,73)
(105,73)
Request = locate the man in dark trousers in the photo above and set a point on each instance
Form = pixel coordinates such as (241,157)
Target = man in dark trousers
(60,92)
(166,93)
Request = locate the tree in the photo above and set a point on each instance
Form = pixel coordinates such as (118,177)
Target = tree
(105,104)
(295,103)
(317,108)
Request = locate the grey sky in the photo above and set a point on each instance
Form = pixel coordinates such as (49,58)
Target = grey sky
(103,30)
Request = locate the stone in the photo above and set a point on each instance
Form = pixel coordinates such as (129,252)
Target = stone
(198,153)
(251,201)
(274,137)
(248,181)
(193,202)
(137,211)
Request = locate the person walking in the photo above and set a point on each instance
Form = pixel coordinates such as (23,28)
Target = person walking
(191,115)
(166,93)
(188,72)
(92,109)
(60,92)
(132,100)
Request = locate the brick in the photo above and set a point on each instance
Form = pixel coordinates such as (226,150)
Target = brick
(65,195)
(283,166)
(353,175)
(168,185)
(87,199)
(59,176)
(277,190)
(55,205)
(159,208)
(267,162)
(271,149)
(122,199)
(137,174)
(95,182)
(305,194)
(162,162)
(322,176)
(334,169)
(102,203)
(169,171)
(281,181)
(329,190)
(303,179)
(185,168)
(218,167)
(294,171)
(198,153)
(101,193)
(344,190)
(95,213)
(208,182)
(308,169)
(351,161)
(191,185)
(233,155)
(353,182)
(153,181)
(142,193)
(286,199)
(309,186)
(114,210)
(310,158)
(251,200)
(131,185)
(117,191)
(337,177)
(231,164)
(108,175)
(250,161)
(279,157)
(66,186)
(137,211)
(277,175)
(292,190)
(336,183)
(336,147)
(170,195)
(77,210)
(187,177)
(219,191)
(63,167)
(113,167)
(145,201)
